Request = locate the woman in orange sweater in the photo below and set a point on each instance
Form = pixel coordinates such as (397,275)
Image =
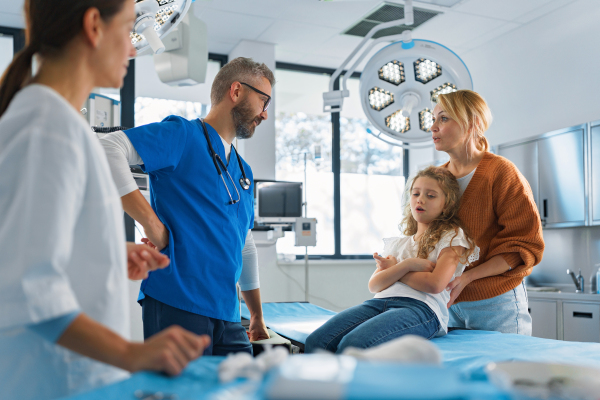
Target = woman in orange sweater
(498,211)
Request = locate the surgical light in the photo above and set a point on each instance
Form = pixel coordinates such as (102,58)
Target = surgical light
(380,99)
(443,89)
(398,122)
(154,20)
(425,120)
(436,68)
(392,72)
(426,70)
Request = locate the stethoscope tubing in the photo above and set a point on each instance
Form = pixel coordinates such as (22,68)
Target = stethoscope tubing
(244,181)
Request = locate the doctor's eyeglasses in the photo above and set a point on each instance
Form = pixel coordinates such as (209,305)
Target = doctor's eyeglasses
(267,102)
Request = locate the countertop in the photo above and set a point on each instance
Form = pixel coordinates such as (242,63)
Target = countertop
(564,294)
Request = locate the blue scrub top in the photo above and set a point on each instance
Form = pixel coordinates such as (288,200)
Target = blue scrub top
(206,233)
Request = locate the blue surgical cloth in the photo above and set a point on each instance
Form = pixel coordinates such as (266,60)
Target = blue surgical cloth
(53,329)
(206,233)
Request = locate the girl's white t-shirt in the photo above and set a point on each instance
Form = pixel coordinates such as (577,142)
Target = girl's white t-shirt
(405,247)
(62,241)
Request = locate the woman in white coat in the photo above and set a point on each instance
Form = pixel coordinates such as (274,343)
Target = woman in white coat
(64,261)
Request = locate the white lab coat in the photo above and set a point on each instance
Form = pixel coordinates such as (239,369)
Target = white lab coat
(62,245)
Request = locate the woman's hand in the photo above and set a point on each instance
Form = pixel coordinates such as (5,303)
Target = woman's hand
(384,263)
(457,285)
(421,265)
(142,259)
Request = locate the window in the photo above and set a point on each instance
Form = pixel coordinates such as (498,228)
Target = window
(6,51)
(371,173)
(301,129)
(148,110)
(371,181)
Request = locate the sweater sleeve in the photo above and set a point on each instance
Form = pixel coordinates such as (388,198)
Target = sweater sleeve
(519,240)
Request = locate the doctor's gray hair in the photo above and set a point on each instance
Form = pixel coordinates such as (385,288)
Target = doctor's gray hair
(240,69)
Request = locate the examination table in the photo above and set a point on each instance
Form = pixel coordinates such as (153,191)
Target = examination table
(465,354)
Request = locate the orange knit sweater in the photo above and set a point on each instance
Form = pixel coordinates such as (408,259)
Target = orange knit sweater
(498,211)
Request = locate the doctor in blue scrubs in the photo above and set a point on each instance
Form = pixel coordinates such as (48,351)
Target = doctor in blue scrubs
(201,211)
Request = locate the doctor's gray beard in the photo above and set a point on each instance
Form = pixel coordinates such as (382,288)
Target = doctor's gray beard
(243,119)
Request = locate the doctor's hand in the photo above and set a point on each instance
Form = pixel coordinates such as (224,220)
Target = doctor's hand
(384,263)
(168,351)
(457,285)
(258,329)
(158,236)
(142,259)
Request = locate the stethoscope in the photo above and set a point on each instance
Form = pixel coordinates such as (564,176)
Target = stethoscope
(220,166)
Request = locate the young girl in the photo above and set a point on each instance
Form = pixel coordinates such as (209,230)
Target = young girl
(411,279)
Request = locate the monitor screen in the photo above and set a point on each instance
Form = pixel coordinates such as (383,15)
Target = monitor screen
(279,199)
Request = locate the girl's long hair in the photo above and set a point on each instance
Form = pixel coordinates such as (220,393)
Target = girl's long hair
(49,26)
(445,222)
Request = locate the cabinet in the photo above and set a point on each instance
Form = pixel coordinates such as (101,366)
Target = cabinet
(595,172)
(554,164)
(581,322)
(566,316)
(562,179)
(543,317)
(525,158)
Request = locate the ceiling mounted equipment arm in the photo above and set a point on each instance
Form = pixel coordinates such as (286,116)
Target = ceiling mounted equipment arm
(334,98)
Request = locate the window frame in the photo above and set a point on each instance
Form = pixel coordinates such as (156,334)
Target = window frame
(18,37)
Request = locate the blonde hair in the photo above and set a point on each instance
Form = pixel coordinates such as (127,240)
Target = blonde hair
(448,220)
(471,112)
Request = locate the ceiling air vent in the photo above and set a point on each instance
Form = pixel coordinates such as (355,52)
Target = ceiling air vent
(386,12)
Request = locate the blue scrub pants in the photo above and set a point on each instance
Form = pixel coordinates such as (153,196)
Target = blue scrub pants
(225,337)
(372,323)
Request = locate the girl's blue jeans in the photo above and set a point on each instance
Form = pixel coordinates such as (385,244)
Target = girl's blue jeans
(374,322)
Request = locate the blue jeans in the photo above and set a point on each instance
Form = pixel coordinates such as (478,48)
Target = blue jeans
(372,323)
(506,313)
(225,337)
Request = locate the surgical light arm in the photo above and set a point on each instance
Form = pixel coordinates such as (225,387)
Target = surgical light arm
(333,100)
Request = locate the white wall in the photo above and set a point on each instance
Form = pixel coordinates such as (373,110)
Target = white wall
(539,77)
(259,151)
(543,76)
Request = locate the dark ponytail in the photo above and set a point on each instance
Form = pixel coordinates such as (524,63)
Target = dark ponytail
(50,26)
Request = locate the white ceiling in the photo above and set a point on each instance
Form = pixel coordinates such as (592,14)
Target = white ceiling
(309,31)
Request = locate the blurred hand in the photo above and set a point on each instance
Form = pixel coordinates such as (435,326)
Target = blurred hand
(142,259)
(421,265)
(158,236)
(168,351)
(384,263)
(456,287)
(258,329)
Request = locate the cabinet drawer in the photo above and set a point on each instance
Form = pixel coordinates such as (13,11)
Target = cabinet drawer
(581,322)
(543,318)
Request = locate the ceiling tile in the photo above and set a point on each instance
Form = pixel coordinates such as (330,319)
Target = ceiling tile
(231,26)
(301,37)
(454,29)
(508,10)
(537,13)
(486,37)
(337,15)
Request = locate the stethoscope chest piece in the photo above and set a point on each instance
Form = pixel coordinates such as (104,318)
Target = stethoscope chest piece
(245,183)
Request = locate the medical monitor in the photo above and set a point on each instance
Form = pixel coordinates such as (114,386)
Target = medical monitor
(277,201)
